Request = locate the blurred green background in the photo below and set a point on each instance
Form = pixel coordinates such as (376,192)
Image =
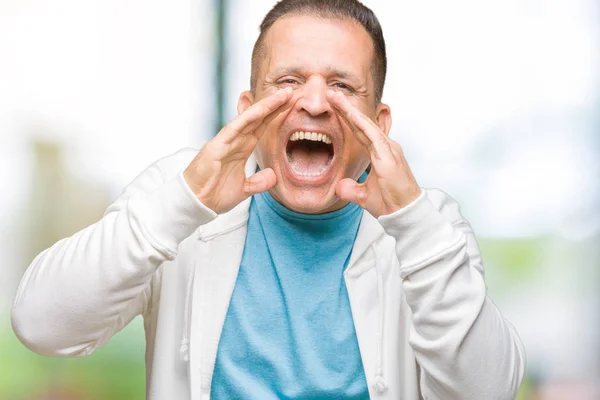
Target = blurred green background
(495,102)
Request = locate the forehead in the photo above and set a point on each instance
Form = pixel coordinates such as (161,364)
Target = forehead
(318,44)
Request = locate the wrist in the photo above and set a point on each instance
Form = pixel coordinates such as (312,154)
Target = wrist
(408,198)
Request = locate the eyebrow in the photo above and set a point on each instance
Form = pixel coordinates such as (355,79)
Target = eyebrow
(342,74)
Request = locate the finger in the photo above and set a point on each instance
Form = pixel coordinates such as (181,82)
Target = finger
(260,182)
(346,114)
(270,106)
(260,129)
(378,140)
(350,190)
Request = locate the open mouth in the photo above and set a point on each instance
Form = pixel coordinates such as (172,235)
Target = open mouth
(309,153)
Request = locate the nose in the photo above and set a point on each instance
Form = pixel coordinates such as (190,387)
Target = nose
(313,98)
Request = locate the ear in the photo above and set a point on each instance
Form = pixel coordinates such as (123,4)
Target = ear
(383,118)
(246,100)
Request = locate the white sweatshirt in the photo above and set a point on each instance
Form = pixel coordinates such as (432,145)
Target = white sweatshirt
(425,326)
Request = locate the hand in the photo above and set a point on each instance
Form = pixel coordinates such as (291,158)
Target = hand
(216,175)
(390,184)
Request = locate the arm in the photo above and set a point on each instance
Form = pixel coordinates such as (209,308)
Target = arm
(465,348)
(78,293)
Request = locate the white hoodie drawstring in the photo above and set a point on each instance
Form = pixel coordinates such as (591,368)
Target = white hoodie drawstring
(379,383)
(184,350)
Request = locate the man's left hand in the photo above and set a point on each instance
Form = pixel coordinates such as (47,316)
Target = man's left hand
(390,184)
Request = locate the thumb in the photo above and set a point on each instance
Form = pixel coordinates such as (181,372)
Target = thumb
(350,190)
(260,182)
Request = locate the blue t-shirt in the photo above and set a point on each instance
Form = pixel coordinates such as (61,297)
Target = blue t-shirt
(289,333)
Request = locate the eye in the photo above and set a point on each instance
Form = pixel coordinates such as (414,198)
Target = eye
(288,82)
(343,86)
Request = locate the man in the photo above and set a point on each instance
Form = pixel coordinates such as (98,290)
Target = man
(269,265)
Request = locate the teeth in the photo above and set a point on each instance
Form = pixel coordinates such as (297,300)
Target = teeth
(323,169)
(314,136)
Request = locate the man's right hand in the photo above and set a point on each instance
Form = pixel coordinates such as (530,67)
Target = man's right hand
(217,175)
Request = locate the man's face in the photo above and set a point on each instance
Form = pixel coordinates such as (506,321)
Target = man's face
(310,147)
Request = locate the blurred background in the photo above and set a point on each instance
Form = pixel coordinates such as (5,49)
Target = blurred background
(497,102)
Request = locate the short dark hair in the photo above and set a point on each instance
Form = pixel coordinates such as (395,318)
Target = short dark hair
(352,10)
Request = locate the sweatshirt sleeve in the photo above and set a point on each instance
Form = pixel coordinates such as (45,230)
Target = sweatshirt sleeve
(78,293)
(463,345)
